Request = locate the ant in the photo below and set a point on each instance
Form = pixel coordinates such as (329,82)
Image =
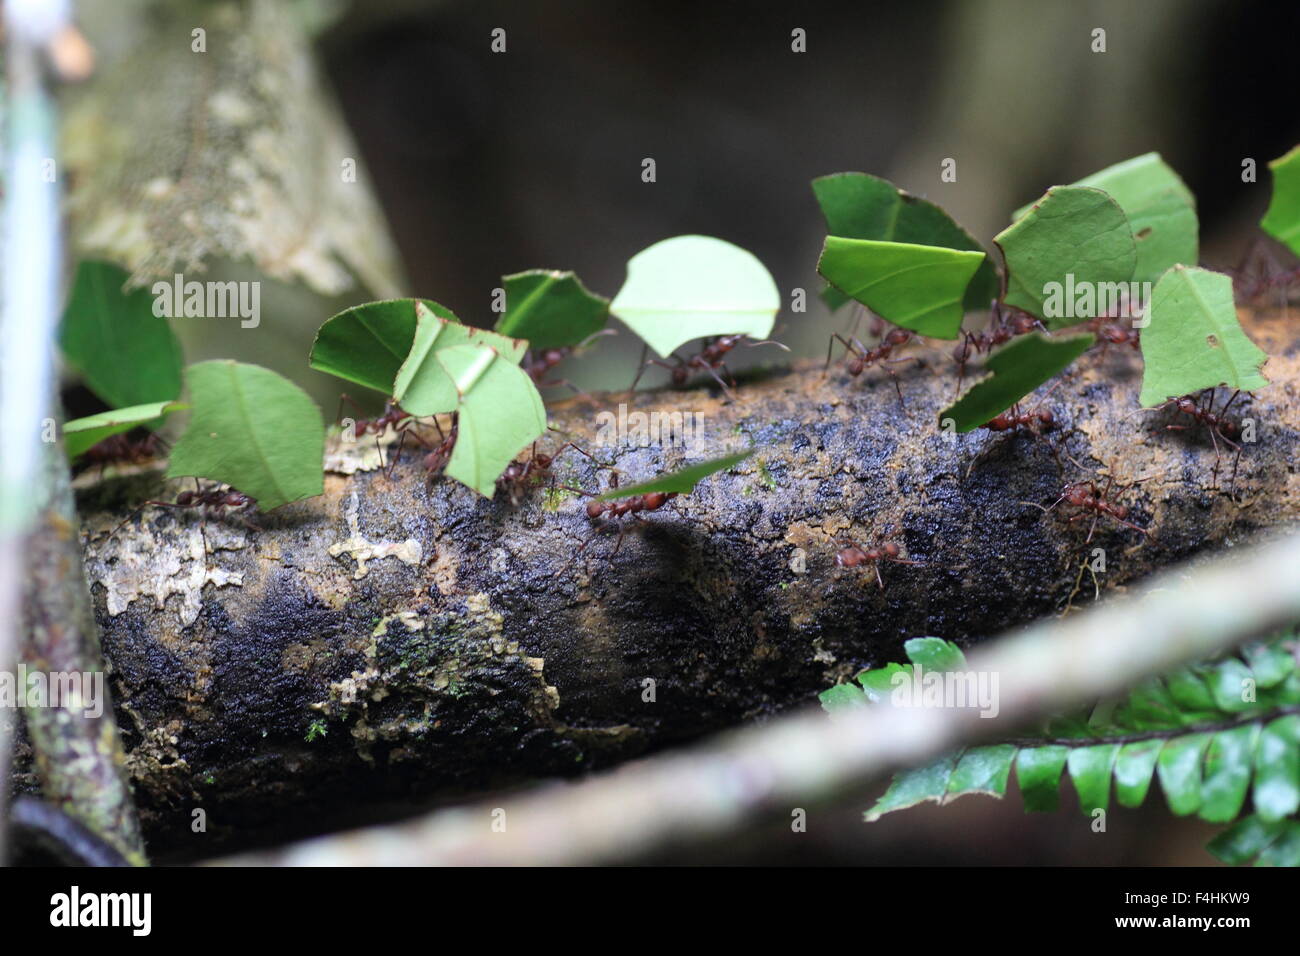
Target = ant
(393,415)
(1267,273)
(852,555)
(860,358)
(1113,332)
(522,476)
(123,449)
(212,502)
(537,363)
(438,455)
(1094,501)
(1037,422)
(710,358)
(618,508)
(1005,323)
(1217,423)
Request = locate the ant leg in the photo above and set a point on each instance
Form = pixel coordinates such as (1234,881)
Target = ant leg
(717,378)
(875,566)
(645,350)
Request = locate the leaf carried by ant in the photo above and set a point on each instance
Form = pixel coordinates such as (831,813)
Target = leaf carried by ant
(1194,339)
(682,481)
(421,385)
(689,287)
(551,309)
(253,430)
(499,413)
(367,344)
(1018,368)
(127,355)
(862,206)
(918,287)
(80,434)
(1075,237)
(1161,212)
(1282,219)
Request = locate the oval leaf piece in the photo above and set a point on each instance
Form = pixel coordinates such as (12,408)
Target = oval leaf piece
(253,430)
(1282,220)
(915,286)
(500,413)
(421,386)
(1194,339)
(1075,238)
(127,355)
(367,344)
(689,287)
(551,309)
(861,206)
(1018,368)
(81,434)
(682,481)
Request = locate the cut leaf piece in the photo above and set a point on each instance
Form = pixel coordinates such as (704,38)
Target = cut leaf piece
(689,287)
(81,434)
(1194,340)
(914,286)
(1282,220)
(367,344)
(253,430)
(682,481)
(861,206)
(935,654)
(499,414)
(127,355)
(1017,369)
(1075,238)
(1161,212)
(551,309)
(421,385)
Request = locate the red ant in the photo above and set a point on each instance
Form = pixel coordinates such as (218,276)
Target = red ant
(213,502)
(522,476)
(537,363)
(1037,422)
(1268,273)
(1112,332)
(1002,328)
(393,415)
(710,358)
(860,358)
(1086,496)
(618,508)
(122,449)
(438,455)
(852,555)
(1217,423)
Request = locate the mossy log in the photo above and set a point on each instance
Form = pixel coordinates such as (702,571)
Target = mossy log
(401,641)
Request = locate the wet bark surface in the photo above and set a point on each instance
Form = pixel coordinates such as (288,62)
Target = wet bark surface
(401,640)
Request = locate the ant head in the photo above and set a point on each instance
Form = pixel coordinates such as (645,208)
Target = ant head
(898,337)
(543,461)
(1186,405)
(1120,511)
(595,508)
(655,499)
(1078,493)
(856,366)
(553,356)
(890,549)
(1046,418)
(186,498)
(679,375)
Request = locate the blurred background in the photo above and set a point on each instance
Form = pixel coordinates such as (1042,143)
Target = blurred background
(486,164)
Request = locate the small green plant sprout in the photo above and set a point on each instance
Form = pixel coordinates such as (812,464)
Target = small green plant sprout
(1015,370)
(1212,734)
(1160,208)
(1194,339)
(552,310)
(499,413)
(253,430)
(421,385)
(127,355)
(691,287)
(1282,219)
(679,482)
(861,206)
(82,434)
(1075,237)
(316,730)
(919,288)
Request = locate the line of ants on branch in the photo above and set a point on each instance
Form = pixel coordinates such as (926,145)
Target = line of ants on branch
(525,474)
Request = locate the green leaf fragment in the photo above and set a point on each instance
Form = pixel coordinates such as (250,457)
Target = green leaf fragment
(1283,851)
(981,770)
(935,654)
(551,309)
(914,286)
(1016,369)
(81,434)
(842,697)
(499,414)
(861,206)
(367,344)
(1075,238)
(1038,770)
(421,385)
(689,287)
(921,785)
(1194,340)
(127,355)
(880,683)
(1282,220)
(253,430)
(682,481)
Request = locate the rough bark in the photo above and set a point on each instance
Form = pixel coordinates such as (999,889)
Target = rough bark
(442,645)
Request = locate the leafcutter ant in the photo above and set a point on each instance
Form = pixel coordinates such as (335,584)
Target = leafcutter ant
(859,358)
(853,555)
(1005,323)
(123,449)
(616,509)
(212,502)
(539,362)
(523,475)
(1037,421)
(711,358)
(1217,424)
(1093,501)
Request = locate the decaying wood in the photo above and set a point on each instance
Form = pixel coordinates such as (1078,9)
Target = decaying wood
(399,642)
